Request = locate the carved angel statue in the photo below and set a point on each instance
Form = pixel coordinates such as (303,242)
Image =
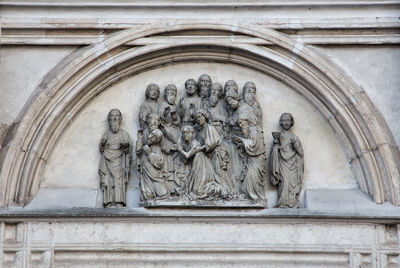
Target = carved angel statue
(114,162)
(287,164)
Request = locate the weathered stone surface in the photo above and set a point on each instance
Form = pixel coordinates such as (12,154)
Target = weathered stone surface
(115,161)
(90,123)
(339,226)
(287,163)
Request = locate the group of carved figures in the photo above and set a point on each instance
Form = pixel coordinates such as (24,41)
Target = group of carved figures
(207,146)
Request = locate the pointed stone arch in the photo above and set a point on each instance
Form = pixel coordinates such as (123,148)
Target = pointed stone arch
(361,130)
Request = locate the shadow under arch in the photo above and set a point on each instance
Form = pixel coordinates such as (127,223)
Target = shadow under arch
(363,134)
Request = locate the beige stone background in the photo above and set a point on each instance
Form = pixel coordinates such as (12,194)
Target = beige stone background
(74,162)
(64,225)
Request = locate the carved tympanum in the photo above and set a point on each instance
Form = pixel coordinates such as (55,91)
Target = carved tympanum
(206,149)
(114,162)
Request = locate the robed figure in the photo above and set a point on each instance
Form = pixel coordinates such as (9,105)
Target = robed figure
(255,161)
(153,183)
(114,162)
(287,164)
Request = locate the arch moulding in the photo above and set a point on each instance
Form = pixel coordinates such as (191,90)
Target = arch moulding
(360,129)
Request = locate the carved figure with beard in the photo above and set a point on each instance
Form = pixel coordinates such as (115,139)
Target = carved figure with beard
(204,84)
(249,97)
(114,162)
(189,103)
(216,109)
(253,147)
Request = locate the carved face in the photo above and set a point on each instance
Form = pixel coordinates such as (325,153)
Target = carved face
(171,97)
(154,92)
(216,91)
(191,88)
(204,84)
(250,88)
(154,123)
(232,103)
(213,100)
(244,125)
(114,119)
(151,139)
(249,98)
(231,85)
(188,134)
(200,119)
(286,121)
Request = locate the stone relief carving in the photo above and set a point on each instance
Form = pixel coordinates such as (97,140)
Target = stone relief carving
(287,164)
(207,149)
(115,161)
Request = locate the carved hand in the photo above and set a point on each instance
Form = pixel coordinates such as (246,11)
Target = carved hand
(103,143)
(199,149)
(236,139)
(103,185)
(174,147)
(146,148)
(192,109)
(166,111)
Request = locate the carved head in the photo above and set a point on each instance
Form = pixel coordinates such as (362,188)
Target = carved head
(188,133)
(170,92)
(246,119)
(286,121)
(153,121)
(114,118)
(231,85)
(204,85)
(155,137)
(232,99)
(201,117)
(216,94)
(249,93)
(191,87)
(152,91)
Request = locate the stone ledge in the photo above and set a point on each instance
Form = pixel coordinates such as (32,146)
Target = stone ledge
(386,216)
(193,4)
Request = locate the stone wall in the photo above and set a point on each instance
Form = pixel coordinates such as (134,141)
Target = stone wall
(65,64)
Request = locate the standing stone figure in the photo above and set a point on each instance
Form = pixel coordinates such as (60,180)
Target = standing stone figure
(150,105)
(287,164)
(249,97)
(204,84)
(216,109)
(232,100)
(255,160)
(170,120)
(114,162)
(189,103)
